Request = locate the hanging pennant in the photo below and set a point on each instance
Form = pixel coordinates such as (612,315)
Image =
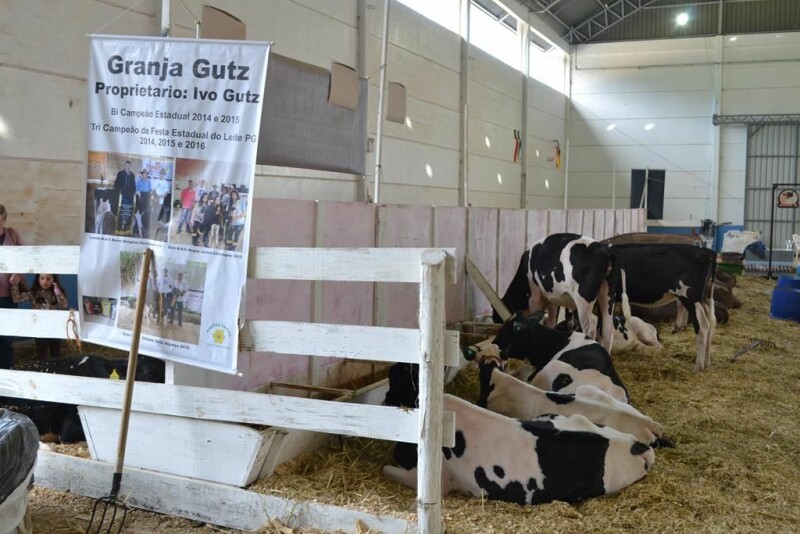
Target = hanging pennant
(557,153)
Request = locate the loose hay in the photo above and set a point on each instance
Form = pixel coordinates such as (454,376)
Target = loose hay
(733,468)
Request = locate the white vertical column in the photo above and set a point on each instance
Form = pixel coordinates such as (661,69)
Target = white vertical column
(463,168)
(381,91)
(431,389)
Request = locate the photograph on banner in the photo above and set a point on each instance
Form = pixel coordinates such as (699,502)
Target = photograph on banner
(125,195)
(101,310)
(211,204)
(176,313)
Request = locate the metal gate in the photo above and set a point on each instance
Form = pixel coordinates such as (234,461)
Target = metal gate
(773,154)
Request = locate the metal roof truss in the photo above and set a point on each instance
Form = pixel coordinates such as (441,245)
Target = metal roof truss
(612,13)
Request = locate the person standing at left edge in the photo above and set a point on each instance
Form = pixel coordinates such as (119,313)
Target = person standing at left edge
(125,189)
(8,238)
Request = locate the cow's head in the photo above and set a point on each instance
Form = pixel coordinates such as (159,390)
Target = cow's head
(403,385)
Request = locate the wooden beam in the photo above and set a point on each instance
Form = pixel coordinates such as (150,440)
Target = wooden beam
(208,502)
(342,264)
(49,259)
(373,343)
(38,323)
(378,422)
(487,290)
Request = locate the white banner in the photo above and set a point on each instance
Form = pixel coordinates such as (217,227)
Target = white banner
(172,138)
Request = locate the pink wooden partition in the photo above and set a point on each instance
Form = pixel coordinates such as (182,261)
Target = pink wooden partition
(493,238)
(482,249)
(450,231)
(538,222)
(401,226)
(278,223)
(610,216)
(588,223)
(575,221)
(510,246)
(350,225)
(599,217)
(558,222)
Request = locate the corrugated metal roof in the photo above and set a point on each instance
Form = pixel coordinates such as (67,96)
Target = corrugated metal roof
(580,21)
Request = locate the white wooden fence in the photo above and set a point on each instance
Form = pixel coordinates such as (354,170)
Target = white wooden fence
(429,345)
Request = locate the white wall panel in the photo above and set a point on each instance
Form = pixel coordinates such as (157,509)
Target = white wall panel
(488,104)
(685,209)
(296,29)
(684,131)
(633,80)
(544,98)
(488,174)
(691,158)
(485,69)
(544,124)
(763,46)
(490,140)
(428,196)
(762,101)
(51,36)
(404,162)
(422,78)
(430,124)
(43,111)
(416,34)
(762,75)
(650,105)
(650,53)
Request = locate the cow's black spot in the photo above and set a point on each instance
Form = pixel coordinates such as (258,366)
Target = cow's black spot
(593,357)
(560,398)
(461,444)
(512,492)
(572,462)
(499,471)
(561,381)
(447,453)
(590,266)
(485,382)
(639,448)
(620,326)
(532,484)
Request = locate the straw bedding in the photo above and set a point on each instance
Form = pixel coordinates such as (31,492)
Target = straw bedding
(734,466)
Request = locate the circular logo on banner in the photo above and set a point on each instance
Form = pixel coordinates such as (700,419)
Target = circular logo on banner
(788,198)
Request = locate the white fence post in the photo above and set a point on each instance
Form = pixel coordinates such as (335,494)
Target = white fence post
(431,384)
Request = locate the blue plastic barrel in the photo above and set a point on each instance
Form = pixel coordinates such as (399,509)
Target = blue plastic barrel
(786,299)
(788,282)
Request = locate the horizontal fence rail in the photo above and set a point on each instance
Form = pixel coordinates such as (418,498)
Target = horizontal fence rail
(31,260)
(378,422)
(373,343)
(344,265)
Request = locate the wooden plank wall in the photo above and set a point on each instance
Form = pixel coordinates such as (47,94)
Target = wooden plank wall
(493,238)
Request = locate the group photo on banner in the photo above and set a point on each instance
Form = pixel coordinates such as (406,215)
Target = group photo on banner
(172,138)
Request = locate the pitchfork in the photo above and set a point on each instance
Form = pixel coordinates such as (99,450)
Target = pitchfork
(108,507)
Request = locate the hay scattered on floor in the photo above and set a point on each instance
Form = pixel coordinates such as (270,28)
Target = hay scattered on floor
(734,466)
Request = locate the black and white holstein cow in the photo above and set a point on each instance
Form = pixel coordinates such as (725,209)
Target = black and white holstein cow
(628,335)
(562,360)
(59,422)
(653,274)
(551,457)
(567,270)
(504,394)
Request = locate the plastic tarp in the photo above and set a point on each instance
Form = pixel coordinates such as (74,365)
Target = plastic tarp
(19,444)
(14,516)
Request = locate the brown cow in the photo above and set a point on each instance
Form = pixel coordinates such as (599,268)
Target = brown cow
(637,238)
(667,313)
